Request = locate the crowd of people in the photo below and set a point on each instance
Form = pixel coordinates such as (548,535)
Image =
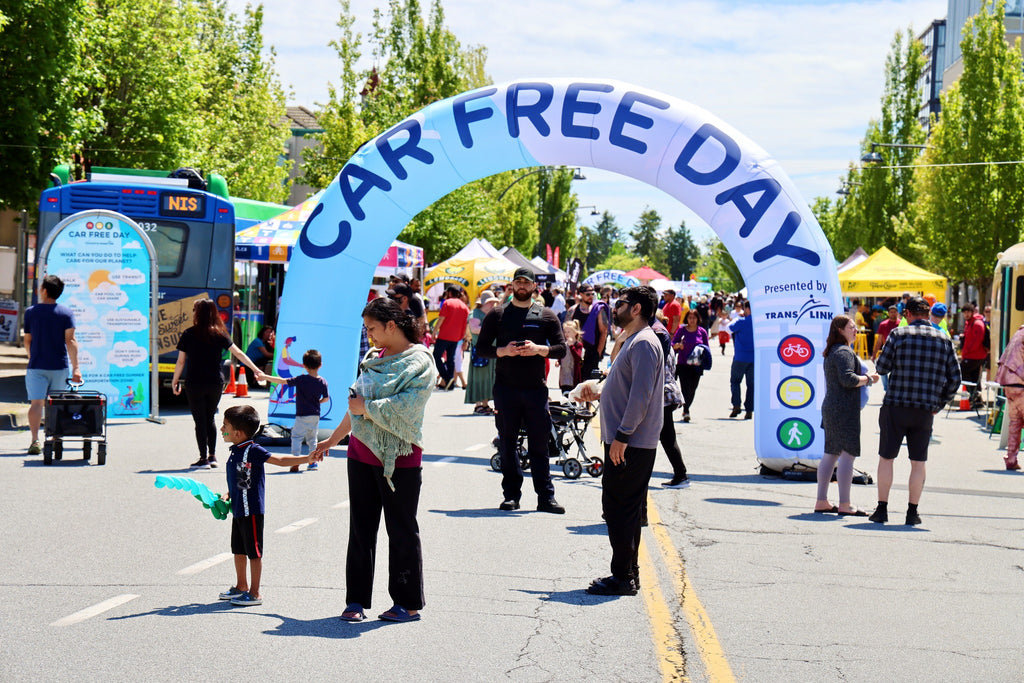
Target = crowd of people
(658,346)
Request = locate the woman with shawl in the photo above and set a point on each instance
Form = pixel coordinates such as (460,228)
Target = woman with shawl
(385,418)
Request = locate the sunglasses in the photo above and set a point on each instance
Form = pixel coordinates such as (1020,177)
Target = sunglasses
(620,302)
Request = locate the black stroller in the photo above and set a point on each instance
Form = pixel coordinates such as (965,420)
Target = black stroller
(78,415)
(568,427)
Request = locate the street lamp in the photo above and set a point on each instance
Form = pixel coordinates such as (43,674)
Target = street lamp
(844,189)
(551,223)
(577,174)
(874,157)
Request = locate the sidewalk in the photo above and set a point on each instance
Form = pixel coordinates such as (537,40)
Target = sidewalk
(13,400)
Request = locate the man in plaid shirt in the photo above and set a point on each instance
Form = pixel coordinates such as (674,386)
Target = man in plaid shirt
(923,377)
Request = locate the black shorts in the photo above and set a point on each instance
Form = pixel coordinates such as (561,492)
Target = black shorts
(247,536)
(896,422)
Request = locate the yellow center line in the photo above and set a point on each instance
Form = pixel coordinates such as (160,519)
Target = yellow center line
(708,645)
(667,644)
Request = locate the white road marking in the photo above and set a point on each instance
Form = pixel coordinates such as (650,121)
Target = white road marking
(477,447)
(338,506)
(444,461)
(90,612)
(205,564)
(295,526)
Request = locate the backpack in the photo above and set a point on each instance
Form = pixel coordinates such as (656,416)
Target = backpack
(986,339)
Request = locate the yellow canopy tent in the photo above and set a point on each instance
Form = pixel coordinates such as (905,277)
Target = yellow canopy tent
(474,275)
(884,273)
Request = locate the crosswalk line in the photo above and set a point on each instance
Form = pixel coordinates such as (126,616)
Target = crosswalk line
(204,564)
(96,609)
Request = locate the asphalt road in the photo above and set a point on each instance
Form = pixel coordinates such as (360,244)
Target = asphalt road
(106,577)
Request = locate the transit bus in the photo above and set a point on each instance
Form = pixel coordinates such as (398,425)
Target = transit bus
(190,221)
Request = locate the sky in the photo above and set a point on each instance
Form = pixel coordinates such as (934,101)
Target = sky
(801,78)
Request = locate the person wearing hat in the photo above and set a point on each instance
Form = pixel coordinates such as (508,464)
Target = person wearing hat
(924,377)
(519,336)
(938,317)
(594,318)
(479,389)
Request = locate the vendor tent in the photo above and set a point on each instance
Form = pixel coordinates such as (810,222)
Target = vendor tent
(884,274)
(858,256)
(645,274)
(560,275)
(515,256)
(477,248)
(272,240)
(473,275)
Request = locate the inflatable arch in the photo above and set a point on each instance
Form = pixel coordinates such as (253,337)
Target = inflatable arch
(723,177)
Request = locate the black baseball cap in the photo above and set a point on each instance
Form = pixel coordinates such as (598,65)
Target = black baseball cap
(524,273)
(400,290)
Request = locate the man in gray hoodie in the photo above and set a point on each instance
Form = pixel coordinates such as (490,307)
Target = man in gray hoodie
(631,420)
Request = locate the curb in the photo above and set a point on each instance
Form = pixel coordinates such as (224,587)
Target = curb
(10,422)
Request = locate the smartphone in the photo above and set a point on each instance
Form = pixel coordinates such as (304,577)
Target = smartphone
(519,343)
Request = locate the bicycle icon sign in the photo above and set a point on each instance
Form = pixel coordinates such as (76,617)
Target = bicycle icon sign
(795,350)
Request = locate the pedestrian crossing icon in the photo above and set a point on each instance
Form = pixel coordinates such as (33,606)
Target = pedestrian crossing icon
(795,434)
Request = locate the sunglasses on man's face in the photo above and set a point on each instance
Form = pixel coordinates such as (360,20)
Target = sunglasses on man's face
(620,302)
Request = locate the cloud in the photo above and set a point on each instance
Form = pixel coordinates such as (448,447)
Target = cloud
(124,320)
(82,312)
(127,276)
(126,354)
(134,244)
(90,335)
(108,294)
(86,360)
(801,79)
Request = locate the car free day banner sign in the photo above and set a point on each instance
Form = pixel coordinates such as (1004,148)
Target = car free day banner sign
(105,261)
(730,182)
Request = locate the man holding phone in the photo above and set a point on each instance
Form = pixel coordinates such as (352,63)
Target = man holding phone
(520,335)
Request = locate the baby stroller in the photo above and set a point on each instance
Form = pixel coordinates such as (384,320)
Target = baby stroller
(568,427)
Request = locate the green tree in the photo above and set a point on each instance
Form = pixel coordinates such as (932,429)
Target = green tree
(967,214)
(144,62)
(879,195)
(719,267)
(620,258)
(647,239)
(242,136)
(600,241)
(681,253)
(41,76)
(556,210)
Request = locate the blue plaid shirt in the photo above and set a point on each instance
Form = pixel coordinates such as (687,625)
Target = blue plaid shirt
(922,367)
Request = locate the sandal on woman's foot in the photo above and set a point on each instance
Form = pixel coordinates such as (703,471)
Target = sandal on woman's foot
(399,614)
(354,612)
(827,510)
(853,512)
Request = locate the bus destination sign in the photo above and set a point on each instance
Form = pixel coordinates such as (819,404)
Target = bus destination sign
(182,205)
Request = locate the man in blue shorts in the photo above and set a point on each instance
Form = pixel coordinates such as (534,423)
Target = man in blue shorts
(49,342)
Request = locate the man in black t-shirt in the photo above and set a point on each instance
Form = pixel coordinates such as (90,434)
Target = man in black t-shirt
(520,335)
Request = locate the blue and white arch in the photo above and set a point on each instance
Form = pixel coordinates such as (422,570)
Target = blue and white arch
(722,176)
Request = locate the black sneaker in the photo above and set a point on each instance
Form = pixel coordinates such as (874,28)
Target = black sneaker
(200,464)
(879,516)
(610,585)
(735,412)
(551,506)
(212,460)
(913,518)
(509,505)
(677,483)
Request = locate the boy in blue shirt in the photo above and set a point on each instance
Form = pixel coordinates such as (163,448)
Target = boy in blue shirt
(310,392)
(246,485)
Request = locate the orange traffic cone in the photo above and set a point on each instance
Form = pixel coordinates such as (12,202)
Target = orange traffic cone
(230,388)
(965,398)
(241,387)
